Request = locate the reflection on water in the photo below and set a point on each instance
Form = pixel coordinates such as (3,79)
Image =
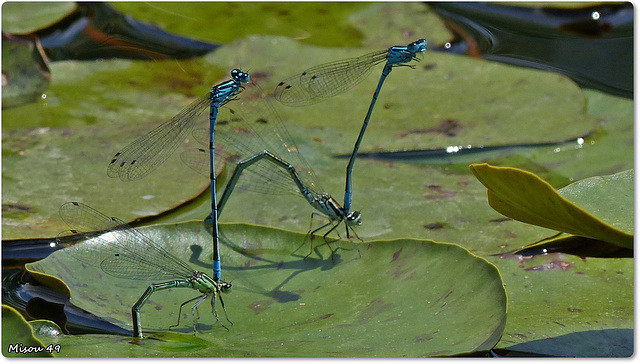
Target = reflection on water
(592,45)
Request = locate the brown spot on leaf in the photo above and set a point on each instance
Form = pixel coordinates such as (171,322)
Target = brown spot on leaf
(424,337)
(395,255)
(447,127)
(316,319)
(434,226)
(437,193)
(15,207)
(241,131)
(257,76)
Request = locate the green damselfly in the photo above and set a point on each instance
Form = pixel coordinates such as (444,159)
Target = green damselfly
(123,252)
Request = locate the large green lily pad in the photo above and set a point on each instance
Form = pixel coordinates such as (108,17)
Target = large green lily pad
(401,298)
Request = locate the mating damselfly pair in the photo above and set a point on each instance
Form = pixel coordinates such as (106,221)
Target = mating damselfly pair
(253,133)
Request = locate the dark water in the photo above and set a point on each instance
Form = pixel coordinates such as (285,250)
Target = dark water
(592,45)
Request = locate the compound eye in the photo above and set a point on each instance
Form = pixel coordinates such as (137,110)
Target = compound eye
(226,287)
(238,75)
(354,218)
(419,45)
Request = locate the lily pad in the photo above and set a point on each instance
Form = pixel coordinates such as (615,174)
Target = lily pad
(410,19)
(609,198)
(17,337)
(525,197)
(401,298)
(22,17)
(60,159)
(553,295)
(306,21)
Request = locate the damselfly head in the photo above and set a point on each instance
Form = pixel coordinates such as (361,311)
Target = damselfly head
(225,287)
(419,45)
(240,76)
(353,218)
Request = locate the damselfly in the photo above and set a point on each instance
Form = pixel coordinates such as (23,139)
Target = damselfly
(123,252)
(146,153)
(330,79)
(254,135)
